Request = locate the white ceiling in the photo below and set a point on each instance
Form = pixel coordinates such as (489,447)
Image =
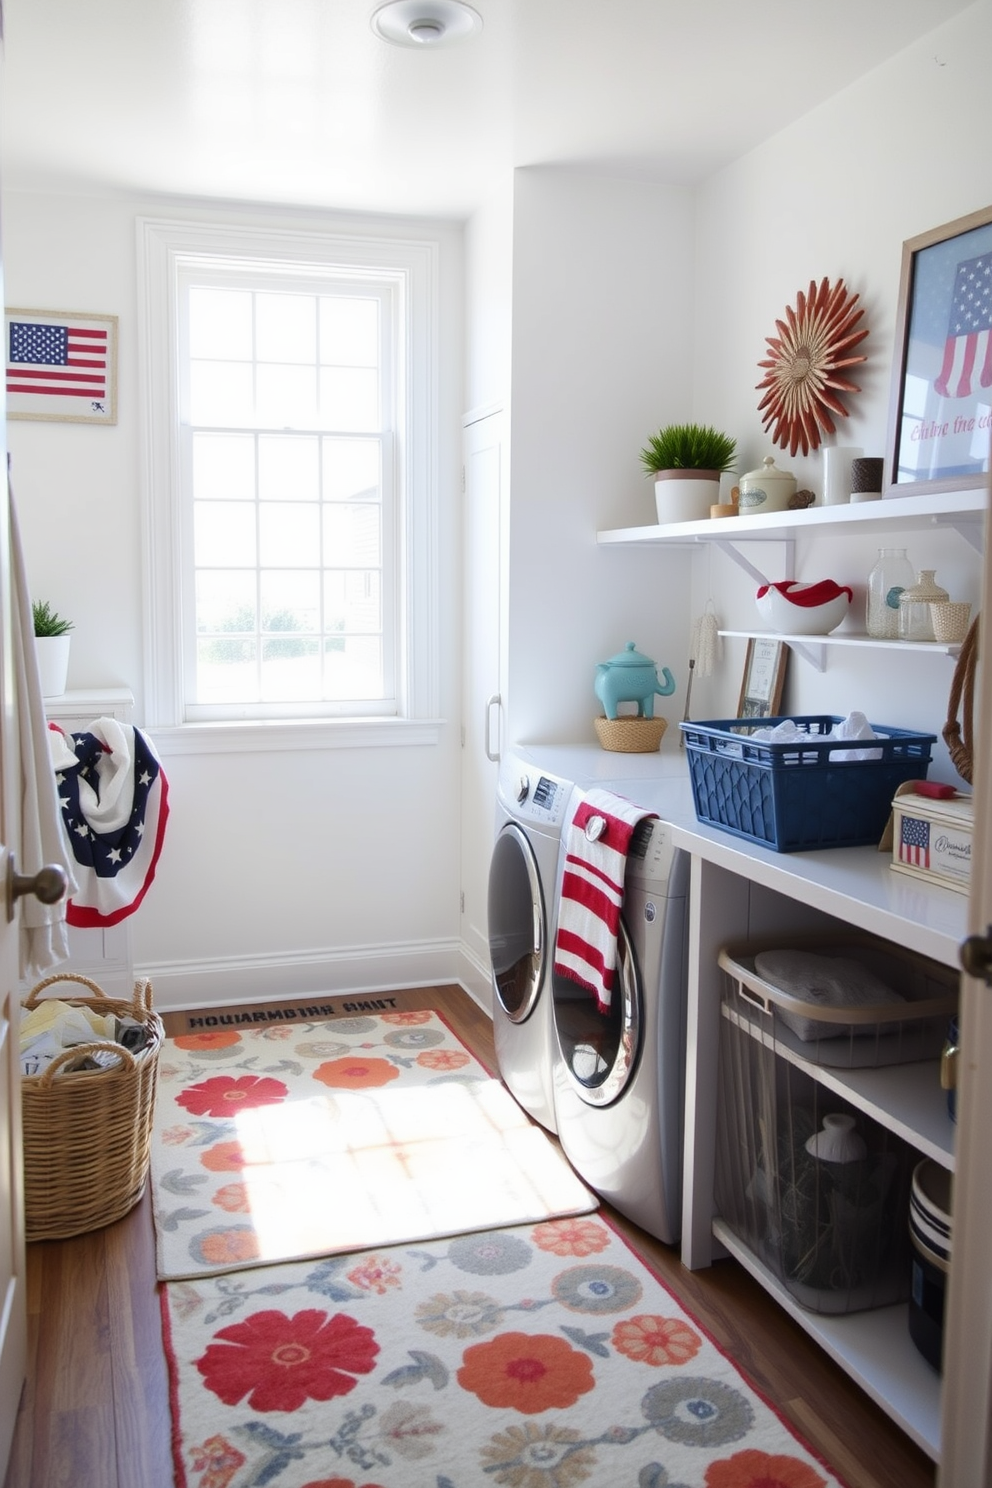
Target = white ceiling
(298,102)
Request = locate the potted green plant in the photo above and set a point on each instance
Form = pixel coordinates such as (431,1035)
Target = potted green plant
(52,635)
(686,461)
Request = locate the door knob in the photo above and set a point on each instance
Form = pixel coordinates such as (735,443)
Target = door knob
(976,956)
(48,884)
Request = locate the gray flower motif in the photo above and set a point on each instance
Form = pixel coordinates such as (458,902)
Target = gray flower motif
(538,1457)
(492,1253)
(322,1049)
(459,1314)
(698,1412)
(596,1289)
(414,1038)
(354,1025)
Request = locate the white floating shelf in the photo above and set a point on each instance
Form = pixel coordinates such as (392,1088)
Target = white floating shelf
(812,647)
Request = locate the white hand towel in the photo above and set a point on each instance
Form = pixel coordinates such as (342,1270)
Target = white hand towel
(43,938)
(597,840)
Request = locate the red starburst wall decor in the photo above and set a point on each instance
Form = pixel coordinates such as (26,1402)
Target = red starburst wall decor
(803,376)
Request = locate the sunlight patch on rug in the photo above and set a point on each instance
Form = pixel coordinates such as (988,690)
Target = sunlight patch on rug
(545,1356)
(308,1140)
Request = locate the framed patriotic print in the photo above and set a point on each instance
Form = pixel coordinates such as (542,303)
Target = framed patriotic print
(61,365)
(940,417)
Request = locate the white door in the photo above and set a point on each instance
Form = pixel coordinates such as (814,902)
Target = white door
(13,1324)
(966,1427)
(483,670)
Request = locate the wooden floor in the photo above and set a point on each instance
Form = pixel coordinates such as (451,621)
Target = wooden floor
(95,1409)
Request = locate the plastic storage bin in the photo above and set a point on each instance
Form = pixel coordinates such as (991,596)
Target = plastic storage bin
(796,798)
(827,1025)
(832,1230)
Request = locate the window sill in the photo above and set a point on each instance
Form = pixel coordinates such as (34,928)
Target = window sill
(277,736)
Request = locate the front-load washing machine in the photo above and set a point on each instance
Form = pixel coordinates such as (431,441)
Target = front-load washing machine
(619,1075)
(531,806)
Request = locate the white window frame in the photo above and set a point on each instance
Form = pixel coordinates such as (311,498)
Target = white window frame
(164,248)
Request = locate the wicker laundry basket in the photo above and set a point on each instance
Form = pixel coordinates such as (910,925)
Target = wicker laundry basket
(87,1133)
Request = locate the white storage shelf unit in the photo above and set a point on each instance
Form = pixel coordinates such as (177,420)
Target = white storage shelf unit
(740,891)
(103,953)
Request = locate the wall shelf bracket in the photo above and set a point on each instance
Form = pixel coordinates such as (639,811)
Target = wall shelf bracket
(787,544)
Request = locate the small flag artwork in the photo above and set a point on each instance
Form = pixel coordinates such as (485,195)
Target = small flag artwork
(914,845)
(967,363)
(61,366)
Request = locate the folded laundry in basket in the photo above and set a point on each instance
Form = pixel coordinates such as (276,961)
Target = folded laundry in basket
(827,981)
(854,726)
(596,843)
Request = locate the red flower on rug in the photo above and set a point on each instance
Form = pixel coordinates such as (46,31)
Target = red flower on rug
(225,1095)
(222,1039)
(280,1362)
(339,1483)
(355,1073)
(443,1059)
(754,1469)
(656,1340)
(410,1019)
(526,1372)
(233,1197)
(224,1157)
(570,1237)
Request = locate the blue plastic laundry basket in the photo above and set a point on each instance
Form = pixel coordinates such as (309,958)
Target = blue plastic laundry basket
(800,796)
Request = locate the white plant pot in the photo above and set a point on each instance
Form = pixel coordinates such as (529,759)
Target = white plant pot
(53,663)
(686,495)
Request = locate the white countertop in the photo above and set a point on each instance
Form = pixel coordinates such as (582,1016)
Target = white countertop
(855,884)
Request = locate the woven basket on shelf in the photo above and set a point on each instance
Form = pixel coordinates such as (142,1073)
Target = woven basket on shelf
(630,734)
(87,1133)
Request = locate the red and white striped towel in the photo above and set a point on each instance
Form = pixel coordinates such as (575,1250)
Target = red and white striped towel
(592,890)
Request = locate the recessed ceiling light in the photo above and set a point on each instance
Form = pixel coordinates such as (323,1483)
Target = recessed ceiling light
(425,23)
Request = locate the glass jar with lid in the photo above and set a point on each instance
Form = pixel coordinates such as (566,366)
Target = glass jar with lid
(915,623)
(892,573)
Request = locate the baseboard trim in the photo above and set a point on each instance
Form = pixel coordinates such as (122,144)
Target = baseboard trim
(181,985)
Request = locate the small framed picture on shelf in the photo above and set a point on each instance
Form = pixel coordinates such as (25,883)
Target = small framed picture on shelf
(940,412)
(61,366)
(764,678)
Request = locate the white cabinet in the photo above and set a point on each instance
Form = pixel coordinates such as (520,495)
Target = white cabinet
(102,953)
(740,891)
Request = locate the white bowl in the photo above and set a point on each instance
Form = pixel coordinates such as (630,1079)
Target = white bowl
(786,606)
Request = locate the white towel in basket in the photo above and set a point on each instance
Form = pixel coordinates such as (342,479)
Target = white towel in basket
(596,843)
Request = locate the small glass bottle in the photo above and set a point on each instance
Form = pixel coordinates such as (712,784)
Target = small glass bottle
(891,575)
(915,623)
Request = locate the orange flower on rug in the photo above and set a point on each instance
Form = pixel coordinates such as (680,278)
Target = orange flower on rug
(506,1358)
(293,1141)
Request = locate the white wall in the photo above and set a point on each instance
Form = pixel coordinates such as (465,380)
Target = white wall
(902,151)
(603,285)
(281,873)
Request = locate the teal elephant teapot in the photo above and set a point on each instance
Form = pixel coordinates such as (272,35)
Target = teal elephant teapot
(630,677)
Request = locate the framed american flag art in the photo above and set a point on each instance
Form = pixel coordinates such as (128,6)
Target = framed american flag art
(940,417)
(61,365)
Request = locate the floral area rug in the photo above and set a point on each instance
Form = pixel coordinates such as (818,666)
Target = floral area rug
(544,1356)
(299,1140)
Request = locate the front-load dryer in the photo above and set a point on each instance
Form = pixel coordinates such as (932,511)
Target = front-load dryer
(619,1075)
(531,806)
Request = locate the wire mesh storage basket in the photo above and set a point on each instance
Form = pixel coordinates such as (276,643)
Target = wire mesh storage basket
(87,1132)
(799,796)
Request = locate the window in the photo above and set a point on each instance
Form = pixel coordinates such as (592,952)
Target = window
(289,492)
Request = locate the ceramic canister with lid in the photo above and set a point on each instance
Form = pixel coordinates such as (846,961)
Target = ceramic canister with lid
(767,489)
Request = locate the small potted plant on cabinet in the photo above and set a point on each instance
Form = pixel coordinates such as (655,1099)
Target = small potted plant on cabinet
(686,461)
(51,644)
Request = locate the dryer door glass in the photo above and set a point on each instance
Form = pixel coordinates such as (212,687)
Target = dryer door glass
(517,924)
(600,1049)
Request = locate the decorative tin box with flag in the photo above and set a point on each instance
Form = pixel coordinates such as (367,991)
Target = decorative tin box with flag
(931,835)
(61,365)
